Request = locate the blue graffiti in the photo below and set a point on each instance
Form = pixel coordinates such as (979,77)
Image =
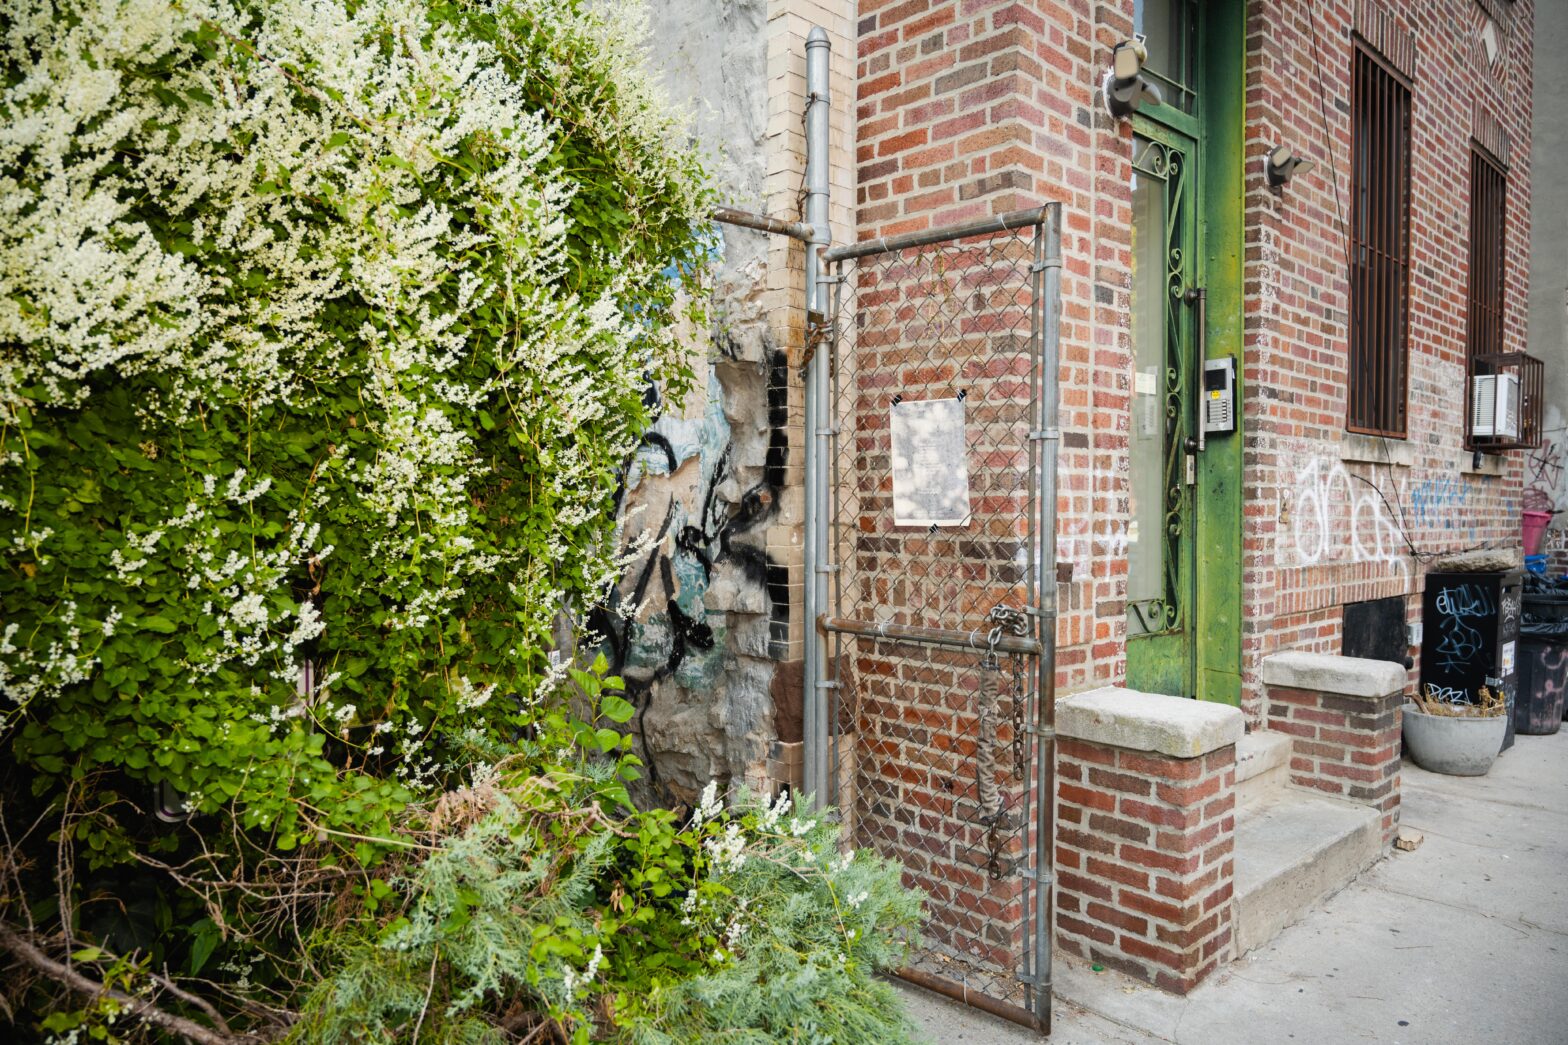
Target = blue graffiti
(1437,502)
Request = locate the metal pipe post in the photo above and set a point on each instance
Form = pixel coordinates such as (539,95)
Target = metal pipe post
(819,416)
(1045,707)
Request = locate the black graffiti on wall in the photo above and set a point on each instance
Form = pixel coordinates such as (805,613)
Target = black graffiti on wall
(716,535)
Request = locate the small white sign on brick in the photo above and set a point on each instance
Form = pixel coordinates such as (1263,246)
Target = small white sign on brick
(930,463)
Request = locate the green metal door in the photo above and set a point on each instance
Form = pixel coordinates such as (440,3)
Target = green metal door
(1165,267)
(1183,535)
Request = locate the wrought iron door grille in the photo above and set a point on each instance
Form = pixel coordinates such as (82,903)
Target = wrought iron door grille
(937,630)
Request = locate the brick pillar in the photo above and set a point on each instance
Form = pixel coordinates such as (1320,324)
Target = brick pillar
(1146,823)
(1343,717)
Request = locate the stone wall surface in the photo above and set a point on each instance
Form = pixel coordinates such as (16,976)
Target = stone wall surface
(706,624)
(695,651)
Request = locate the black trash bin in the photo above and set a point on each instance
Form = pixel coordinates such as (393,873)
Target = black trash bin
(1471,627)
(1542,701)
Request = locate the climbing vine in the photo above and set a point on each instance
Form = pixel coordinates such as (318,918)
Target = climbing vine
(325,328)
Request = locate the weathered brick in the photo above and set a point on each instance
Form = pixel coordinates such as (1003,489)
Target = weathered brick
(1107,870)
(1315,535)
(1121,783)
(1120,827)
(1170,769)
(1107,914)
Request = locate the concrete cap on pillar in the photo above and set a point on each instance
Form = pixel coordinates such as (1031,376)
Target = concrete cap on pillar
(1117,717)
(1327,673)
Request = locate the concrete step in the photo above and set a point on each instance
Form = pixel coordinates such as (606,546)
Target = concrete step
(1262,767)
(1294,850)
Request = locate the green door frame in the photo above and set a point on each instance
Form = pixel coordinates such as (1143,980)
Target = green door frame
(1209,667)
(1221,240)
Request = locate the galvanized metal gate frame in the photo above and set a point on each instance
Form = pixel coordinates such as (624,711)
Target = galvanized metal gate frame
(834,628)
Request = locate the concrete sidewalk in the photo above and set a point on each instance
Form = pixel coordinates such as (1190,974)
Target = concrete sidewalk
(1464,940)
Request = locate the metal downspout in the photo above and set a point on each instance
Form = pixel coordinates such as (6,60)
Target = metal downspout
(818,420)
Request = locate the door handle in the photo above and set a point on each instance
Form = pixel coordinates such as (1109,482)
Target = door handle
(1198,298)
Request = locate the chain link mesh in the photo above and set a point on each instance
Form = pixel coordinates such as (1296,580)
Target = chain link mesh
(930,752)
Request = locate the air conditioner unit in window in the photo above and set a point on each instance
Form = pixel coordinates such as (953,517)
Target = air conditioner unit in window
(1494,406)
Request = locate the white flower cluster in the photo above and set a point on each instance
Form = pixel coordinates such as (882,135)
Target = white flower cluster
(773,811)
(25,673)
(571,979)
(727,851)
(471,697)
(708,805)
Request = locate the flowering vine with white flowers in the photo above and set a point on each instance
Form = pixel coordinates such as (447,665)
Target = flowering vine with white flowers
(325,328)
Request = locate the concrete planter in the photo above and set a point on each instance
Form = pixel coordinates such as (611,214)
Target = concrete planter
(1456,746)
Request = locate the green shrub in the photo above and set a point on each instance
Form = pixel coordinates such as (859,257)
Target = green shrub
(543,914)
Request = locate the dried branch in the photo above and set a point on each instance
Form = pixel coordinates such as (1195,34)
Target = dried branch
(192,999)
(146,1010)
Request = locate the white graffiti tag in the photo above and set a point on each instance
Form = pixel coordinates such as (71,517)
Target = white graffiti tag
(1333,514)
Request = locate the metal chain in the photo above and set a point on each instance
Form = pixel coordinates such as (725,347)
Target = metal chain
(1003,619)
(1019,698)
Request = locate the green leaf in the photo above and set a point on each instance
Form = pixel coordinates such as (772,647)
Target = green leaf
(207,939)
(616,709)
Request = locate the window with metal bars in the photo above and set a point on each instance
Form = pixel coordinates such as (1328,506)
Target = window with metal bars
(1505,393)
(1380,248)
(1488,210)
(1484,318)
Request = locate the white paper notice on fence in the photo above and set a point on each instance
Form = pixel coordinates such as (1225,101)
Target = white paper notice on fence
(930,464)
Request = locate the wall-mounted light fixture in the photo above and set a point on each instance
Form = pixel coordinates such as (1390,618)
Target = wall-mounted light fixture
(1126,88)
(1283,165)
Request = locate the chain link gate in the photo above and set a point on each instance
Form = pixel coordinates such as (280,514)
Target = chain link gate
(940,621)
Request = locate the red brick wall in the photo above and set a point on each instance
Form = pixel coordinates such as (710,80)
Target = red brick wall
(968,108)
(1344,746)
(973,107)
(1323,530)
(1145,860)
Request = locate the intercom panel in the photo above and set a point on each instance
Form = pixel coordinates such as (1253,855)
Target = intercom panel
(1219,396)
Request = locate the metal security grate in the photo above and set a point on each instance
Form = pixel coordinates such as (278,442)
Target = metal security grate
(1488,210)
(1380,248)
(1516,388)
(941,630)
(1517,392)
